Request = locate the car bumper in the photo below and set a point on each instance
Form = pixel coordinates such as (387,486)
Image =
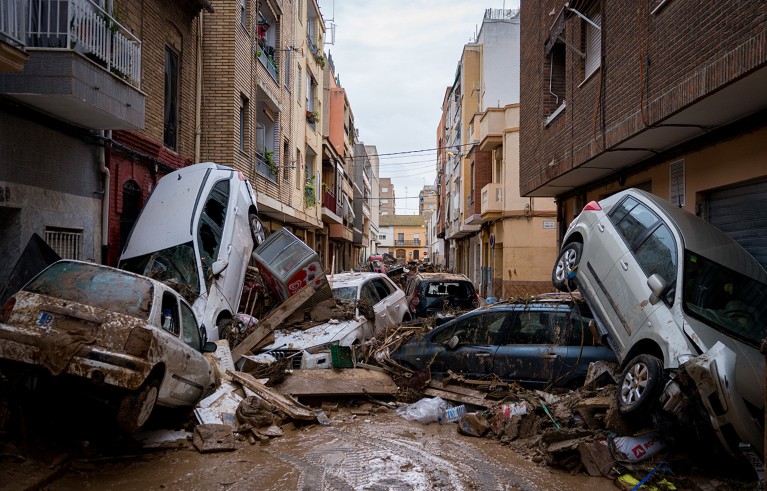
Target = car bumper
(97,365)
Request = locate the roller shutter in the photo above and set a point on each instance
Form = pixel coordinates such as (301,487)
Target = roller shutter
(741,212)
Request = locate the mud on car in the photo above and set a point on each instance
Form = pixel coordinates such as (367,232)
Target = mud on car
(130,339)
(432,293)
(682,305)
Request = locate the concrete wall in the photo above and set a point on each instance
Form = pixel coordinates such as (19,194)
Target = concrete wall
(500,62)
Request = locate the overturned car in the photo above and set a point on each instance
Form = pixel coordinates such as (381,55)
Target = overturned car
(132,339)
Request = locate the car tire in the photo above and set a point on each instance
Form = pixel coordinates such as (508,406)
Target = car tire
(640,384)
(257,230)
(135,408)
(567,262)
(222,325)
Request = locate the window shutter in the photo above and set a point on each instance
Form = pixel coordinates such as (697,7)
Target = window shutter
(593,45)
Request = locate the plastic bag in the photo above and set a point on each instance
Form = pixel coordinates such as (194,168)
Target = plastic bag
(425,411)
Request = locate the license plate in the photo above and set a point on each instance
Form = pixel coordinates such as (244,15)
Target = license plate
(45,319)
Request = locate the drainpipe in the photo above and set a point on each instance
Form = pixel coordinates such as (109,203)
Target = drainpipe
(105,137)
(198,94)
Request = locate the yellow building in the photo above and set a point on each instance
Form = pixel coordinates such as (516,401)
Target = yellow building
(408,236)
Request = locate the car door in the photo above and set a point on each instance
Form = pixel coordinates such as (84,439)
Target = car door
(477,335)
(583,348)
(171,356)
(394,299)
(531,350)
(651,249)
(197,370)
(370,297)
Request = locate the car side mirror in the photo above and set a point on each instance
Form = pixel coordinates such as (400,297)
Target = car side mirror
(657,285)
(452,342)
(219,266)
(209,347)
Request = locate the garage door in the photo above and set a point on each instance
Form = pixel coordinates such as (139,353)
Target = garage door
(741,212)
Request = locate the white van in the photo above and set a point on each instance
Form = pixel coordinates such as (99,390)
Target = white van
(196,233)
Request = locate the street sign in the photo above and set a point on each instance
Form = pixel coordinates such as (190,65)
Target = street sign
(492,240)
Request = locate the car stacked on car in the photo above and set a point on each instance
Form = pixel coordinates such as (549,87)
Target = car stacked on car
(672,293)
(432,293)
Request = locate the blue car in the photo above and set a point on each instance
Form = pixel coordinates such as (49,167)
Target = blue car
(548,341)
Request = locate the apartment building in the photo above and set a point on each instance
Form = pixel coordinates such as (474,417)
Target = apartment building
(503,243)
(85,131)
(386,199)
(375,197)
(409,234)
(262,105)
(363,196)
(427,200)
(622,98)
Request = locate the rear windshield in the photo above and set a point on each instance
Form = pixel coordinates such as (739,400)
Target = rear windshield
(728,301)
(99,287)
(175,266)
(459,289)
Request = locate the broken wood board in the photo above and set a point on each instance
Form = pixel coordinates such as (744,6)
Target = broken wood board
(434,384)
(452,396)
(345,382)
(286,404)
(272,321)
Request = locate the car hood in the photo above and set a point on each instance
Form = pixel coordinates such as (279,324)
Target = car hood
(322,334)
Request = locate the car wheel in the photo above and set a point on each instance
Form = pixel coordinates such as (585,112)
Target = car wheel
(257,230)
(222,325)
(639,384)
(135,408)
(566,263)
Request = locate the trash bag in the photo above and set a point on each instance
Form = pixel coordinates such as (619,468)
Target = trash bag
(425,411)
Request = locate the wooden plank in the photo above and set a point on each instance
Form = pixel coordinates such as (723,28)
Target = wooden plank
(284,403)
(457,389)
(452,396)
(345,382)
(272,321)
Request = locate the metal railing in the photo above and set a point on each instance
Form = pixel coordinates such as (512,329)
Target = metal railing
(12,21)
(264,168)
(270,65)
(329,202)
(83,26)
(414,242)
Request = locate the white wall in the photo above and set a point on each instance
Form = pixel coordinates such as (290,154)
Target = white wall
(500,62)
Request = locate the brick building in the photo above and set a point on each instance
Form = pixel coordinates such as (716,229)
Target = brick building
(387,197)
(667,96)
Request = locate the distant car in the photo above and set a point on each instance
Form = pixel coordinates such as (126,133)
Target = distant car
(671,292)
(431,293)
(198,230)
(310,348)
(546,341)
(131,338)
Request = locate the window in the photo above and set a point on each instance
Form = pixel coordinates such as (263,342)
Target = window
(592,44)
(382,237)
(66,242)
(169,315)
(299,74)
(131,208)
(538,327)
(212,225)
(189,328)
(243,123)
(285,169)
(384,201)
(298,169)
(310,83)
(479,329)
(657,254)
(170,115)
(401,238)
(384,190)
(633,220)
(369,294)
(299,8)
(244,13)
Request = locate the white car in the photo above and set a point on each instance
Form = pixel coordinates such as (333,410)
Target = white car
(672,293)
(310,348)
(134,340)
(197,231)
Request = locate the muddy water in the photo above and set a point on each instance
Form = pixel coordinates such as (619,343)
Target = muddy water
(373,452)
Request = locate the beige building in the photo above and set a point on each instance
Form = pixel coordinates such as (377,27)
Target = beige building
(409,234)
(386,199)
(261,105)
(427,201)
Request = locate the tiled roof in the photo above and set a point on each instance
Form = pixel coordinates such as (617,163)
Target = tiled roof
(401,220)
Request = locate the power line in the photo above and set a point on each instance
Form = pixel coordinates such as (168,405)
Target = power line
(422,150)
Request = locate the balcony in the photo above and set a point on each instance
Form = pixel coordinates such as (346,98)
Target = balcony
(12,36)
(492,201)
(365,209)
(330,208)
(266,165)
(266,58)
(84,67)
(491,126)
(407,243)
(342,232)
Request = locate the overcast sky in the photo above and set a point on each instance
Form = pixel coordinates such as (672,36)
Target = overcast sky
(395,58)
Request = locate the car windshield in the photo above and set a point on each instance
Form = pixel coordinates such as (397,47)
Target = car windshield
(458,289)
(345,293)
(99,287)
(175,265)
(730,302)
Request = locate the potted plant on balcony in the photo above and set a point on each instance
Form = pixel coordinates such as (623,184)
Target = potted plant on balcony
(312,117)
(269,157)
(320,59)
(310,194)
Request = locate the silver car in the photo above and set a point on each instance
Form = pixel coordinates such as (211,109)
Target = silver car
(673,294)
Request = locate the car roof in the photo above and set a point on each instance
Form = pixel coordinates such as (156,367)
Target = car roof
(703,238)
(339,280)
(443,277)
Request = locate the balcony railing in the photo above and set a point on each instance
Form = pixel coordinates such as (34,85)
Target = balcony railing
(266,168)
(312,45)
(329,202)
(414,242)
(267,60)
(83,26)
(12,21)
(492,198)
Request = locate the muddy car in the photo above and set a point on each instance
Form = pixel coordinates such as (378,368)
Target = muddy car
(384,307)
(432,293)
(547,341)
(672,293)
(127,337)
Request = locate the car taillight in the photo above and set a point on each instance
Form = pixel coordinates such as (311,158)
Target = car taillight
(139,341)
(5,313)
(414,301)
(241,176)
(592,206)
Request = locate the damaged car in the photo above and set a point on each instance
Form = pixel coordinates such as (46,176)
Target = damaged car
(547,341)
(378,305)
(676,299)
(430,294)
(130,339)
